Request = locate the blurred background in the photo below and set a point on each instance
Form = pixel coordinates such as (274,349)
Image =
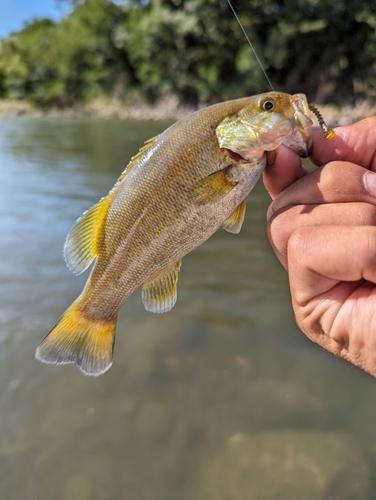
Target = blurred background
(222,398)
(69,53)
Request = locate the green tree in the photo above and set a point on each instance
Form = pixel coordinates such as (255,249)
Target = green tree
(192,48)
(71,61)
(24,59)
(195,50)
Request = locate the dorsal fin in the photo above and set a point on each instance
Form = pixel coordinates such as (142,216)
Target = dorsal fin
(82,243)
(148,144)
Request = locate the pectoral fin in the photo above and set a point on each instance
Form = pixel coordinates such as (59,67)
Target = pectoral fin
(214,187)
(81,246)
(234,223)
(160,294)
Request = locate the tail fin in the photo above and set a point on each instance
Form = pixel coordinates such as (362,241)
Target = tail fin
(77,339)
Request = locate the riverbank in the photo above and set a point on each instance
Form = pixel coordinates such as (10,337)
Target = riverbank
(168,108)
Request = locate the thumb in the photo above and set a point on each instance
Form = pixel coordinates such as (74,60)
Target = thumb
(284,167)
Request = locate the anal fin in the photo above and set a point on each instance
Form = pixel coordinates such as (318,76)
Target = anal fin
(234,223)
(159,295)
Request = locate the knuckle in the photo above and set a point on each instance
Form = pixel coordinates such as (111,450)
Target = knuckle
(281,225)
(338,171)
(299,242)
(342,181)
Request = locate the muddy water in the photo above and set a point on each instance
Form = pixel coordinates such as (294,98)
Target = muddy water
(220,399)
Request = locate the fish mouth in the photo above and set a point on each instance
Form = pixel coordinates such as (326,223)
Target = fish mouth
(300,141)
(304,153)
(301,144)
(301,138)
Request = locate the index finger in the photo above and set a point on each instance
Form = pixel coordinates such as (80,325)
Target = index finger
(354,143)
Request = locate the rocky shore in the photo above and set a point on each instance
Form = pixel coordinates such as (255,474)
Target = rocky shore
(168,108)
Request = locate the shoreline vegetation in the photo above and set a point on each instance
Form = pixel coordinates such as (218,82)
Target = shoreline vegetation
(161,59)
(168,108)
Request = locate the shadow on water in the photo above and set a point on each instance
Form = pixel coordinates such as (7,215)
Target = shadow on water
(222,398)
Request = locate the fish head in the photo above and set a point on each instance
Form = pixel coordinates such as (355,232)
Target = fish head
(265,122)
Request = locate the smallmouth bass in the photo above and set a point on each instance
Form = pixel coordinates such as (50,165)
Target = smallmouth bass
(175,193)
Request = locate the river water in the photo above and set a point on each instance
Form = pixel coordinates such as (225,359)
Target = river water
(223,398)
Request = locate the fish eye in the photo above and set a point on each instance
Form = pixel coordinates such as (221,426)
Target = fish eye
(268,105)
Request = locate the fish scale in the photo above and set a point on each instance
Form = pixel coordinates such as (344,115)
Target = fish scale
(175,193)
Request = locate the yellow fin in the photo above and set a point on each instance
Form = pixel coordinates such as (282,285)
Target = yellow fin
(77,339)
(148,144)
(234,223)
(213,188)
(160,294)
(81,245)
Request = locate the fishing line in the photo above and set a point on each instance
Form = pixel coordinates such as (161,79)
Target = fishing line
(250,44)
(328,133)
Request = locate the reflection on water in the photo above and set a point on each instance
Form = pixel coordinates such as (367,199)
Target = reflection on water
(220,399)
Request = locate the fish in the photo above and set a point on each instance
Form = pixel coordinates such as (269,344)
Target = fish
(181,187)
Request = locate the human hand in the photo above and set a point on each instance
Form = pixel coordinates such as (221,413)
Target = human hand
(322,226)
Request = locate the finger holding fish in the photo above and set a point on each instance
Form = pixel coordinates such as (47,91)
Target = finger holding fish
(284,167)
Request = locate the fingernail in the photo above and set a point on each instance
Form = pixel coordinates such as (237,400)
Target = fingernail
(370,182)
(270,211)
